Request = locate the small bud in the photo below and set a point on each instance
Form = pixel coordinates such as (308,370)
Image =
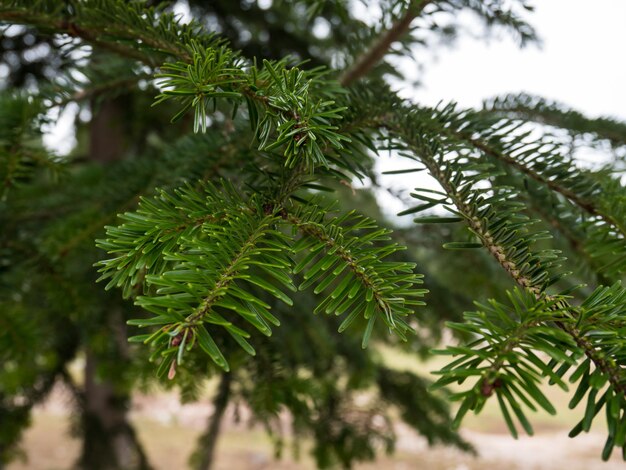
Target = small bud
(268,208)
(487,387)
(172,372)
(176,340)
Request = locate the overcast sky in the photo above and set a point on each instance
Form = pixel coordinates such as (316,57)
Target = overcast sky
(582,63)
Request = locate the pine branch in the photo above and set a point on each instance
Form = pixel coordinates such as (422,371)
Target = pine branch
(371,287)
(97,90)
(567,318)
(531,274)
(492,220)
(231,271)
(21,149)
(282,106)
(525,273)
(540,160)
(377,50)
(132,31)
(208,285)
(504,15)
(503,355)
(159,225)
(203,255)
(555,184)
(110,24)
(551,113)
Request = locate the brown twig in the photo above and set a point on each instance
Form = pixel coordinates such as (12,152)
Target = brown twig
(379,48)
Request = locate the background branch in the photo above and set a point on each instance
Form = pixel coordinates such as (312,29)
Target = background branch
(368,60)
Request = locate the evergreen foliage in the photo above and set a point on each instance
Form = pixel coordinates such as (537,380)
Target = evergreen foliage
(240,236)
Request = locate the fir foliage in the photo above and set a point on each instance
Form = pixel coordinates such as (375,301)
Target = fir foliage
(239,237)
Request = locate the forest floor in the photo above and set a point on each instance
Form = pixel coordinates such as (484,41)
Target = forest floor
(168,431)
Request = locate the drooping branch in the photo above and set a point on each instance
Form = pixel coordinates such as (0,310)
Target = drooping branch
(476,225)
(93,33)
(162,36)
(99,89)
(490,138)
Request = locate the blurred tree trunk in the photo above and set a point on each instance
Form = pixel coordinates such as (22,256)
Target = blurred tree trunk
(109,440)
(202,458)
(107,136)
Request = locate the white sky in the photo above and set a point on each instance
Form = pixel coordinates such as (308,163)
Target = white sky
(582,63)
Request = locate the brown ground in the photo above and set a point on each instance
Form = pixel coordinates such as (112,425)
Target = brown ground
(169,430)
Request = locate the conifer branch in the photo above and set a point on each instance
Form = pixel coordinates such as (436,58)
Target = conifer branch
(537,109)
(209,281)
(73,29)
(229,273)
(576,243)
(377,50)
(132,31)
(102,34)
(496,138)
(605,364)
(613,371)
(366,279)
(552,183)
(21,153)
(477,225)
(160,223)
(101,88)
(372,287)
(519,324)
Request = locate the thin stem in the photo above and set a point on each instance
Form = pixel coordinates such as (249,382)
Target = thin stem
(97,90)
(574,122)
(588,206)
(91,35)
